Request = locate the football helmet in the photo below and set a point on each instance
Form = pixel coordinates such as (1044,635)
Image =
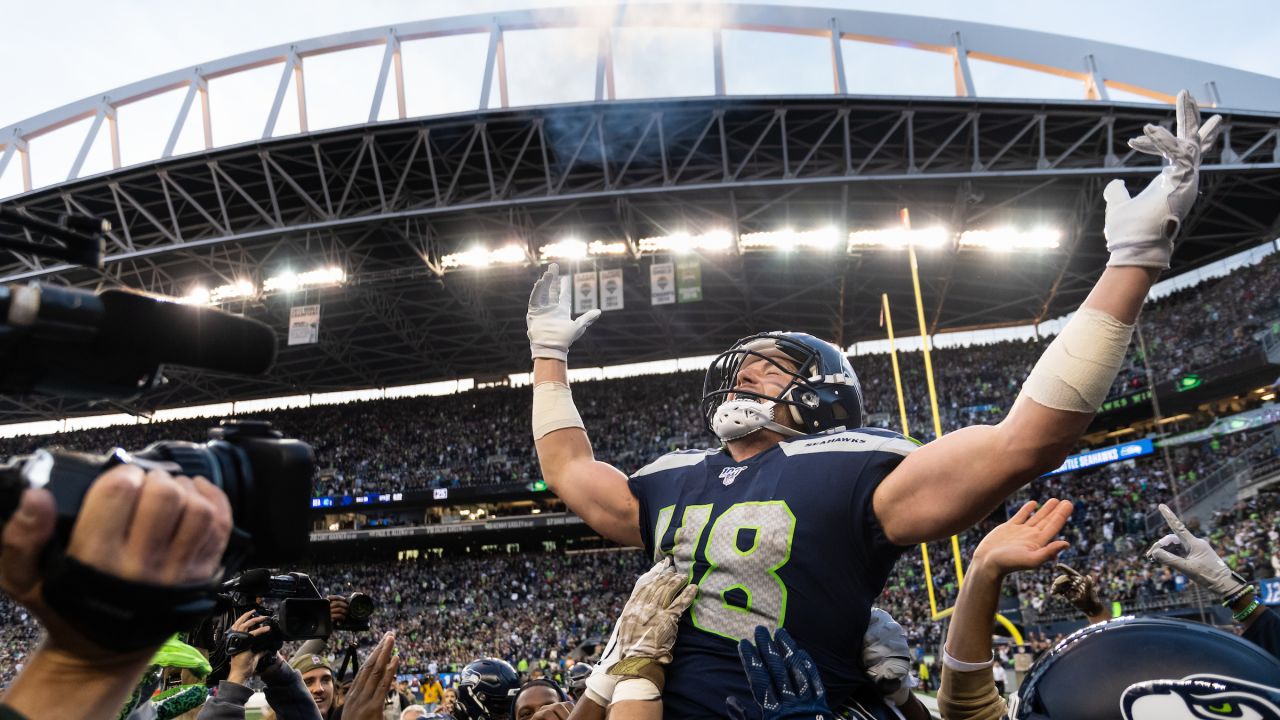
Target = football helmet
(486,688)
(1150,669)
(577,679)
(823,393)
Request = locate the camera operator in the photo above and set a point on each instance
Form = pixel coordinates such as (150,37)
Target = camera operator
(285,691)
(145,528)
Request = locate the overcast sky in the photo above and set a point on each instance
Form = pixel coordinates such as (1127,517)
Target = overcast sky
(61,51)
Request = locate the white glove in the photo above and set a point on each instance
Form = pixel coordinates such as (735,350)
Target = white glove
(1140,230)
(887,657)
(1201,564)
(551,331)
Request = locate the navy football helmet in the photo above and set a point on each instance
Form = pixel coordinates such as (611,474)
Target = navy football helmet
(485,690)
(823,393)
(1150,669)
(577,680)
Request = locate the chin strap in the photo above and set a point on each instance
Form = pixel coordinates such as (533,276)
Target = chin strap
(736,419)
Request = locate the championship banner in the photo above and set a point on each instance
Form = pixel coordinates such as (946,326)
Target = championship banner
(584,292)
(304,324)
(662,283)
(689,279)
(611,289)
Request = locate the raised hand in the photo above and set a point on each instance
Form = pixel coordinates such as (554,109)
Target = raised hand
(1077,589)
(1140,230)
(1195,558)
(1026,540)
(551,327)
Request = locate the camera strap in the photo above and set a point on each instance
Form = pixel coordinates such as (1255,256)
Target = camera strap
(123,615)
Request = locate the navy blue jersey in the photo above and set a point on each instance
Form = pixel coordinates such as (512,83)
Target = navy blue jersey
(787,539)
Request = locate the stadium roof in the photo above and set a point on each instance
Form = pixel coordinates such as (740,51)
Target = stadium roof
(387,201)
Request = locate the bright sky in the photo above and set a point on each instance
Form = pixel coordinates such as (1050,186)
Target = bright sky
(59,52)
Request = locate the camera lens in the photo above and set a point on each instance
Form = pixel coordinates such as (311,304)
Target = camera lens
(359,607)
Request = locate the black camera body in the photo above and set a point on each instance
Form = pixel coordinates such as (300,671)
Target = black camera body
(294,609)
(265,476)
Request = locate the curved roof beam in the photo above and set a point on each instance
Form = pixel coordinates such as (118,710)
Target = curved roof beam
(1098,66)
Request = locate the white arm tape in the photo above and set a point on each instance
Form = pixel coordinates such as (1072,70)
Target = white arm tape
(635,689)
(1077,369)
(962,666)
(553,409)
(600,688)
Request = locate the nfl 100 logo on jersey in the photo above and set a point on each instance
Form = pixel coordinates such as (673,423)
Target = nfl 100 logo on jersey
(729,474)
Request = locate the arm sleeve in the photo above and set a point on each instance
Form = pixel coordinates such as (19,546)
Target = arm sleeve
(969,695)
(287,695)
(227,703)
(1265,632)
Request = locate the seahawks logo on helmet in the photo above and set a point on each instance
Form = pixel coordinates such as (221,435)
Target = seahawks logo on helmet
(1196,697)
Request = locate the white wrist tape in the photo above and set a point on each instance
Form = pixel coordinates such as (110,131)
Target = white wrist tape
(635,689)
(962,666)
(1077,369)
(553,409)
(600,689)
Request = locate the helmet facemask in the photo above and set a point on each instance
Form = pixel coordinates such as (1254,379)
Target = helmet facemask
(732,413)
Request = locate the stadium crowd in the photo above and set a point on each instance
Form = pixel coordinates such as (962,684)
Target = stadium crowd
(480,437)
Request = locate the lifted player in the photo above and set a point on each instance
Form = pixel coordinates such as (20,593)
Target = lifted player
(799,518)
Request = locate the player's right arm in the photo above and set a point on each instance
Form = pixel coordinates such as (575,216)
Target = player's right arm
(595,491)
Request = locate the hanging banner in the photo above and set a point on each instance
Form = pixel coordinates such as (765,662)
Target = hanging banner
(611,289)
(584,295)
(662,283)
(689,279)
(304,324)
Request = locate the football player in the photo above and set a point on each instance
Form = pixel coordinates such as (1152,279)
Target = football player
(797,520)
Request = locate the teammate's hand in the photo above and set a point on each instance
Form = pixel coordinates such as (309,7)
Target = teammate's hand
(1077,589)
(784,679)
(649,621)
(600,683)
(887,657)
(1025,541)
(554,711)
(1195,558)
(1140,230)
(551,327)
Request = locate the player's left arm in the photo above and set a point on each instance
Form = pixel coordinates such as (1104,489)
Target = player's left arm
(958,479)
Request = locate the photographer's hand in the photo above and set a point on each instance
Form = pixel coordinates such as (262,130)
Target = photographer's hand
(337,609)
(244,663)
(140,526)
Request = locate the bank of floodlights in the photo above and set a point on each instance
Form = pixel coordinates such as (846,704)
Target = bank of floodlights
(245,289)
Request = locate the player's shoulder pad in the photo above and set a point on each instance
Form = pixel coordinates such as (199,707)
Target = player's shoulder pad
(675,460)
(860,440)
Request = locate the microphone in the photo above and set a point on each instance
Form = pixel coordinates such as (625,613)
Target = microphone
(68,341)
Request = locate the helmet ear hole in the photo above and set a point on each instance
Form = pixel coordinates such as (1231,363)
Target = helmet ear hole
(839,413)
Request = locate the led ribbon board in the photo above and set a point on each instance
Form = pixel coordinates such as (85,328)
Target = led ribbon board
(1105,456)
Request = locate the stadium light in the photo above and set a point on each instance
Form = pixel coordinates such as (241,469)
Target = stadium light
(600,247)
(479,257)
(200,295)
(681,243)
(288,281)
(567,249)
(898,238)
(1007,239)
(826,238)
